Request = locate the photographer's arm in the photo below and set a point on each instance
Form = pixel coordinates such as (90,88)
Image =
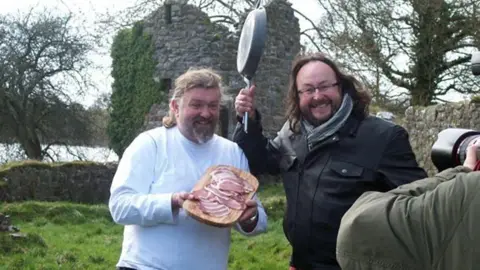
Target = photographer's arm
(419,187)
(411,226)
(412,223)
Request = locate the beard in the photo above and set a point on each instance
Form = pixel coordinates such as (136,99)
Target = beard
(318,112)
(203,129)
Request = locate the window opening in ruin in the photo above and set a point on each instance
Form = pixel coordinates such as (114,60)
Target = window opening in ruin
(168,13)
(223,121)
(167,84)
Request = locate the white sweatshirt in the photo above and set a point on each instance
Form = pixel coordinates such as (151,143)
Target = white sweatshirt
(158,163)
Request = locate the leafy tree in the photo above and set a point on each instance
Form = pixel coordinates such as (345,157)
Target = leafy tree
(99,116)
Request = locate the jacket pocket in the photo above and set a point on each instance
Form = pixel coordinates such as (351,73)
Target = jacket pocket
(346,169)
(343,179)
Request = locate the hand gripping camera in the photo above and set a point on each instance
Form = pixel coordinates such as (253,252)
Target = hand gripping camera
(450,148)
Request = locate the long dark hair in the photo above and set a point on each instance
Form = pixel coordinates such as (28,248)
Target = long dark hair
(349,84)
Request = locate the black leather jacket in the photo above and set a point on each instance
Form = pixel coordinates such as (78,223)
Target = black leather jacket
(321,184)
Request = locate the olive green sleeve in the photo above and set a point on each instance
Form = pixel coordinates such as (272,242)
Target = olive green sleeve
(419,187)
(406,227)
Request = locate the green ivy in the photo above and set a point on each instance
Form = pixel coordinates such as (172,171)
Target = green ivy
(475,99)
(134,90)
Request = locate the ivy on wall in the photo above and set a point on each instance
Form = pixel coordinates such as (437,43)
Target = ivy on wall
(134,89)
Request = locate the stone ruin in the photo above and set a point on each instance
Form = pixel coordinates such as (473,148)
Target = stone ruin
(185,37)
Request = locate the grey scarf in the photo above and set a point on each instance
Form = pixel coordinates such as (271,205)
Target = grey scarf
(327,129)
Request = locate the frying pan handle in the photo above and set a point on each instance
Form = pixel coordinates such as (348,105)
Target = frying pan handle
(245,115)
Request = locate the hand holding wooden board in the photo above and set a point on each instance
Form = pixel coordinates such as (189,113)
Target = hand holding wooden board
(220,195)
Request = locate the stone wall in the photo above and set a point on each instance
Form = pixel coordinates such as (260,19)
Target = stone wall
(185,37)
(90,182)
(282,44)
(72,182)
(424,124)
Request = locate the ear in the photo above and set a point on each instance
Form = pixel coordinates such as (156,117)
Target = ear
(174,107)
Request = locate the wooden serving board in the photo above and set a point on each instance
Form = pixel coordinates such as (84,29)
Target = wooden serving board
(192,206)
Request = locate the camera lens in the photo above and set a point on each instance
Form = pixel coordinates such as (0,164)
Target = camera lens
(462,149)
(449,150)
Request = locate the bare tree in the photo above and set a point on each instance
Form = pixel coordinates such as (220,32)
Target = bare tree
(227,12)
(42,61)
(421,46)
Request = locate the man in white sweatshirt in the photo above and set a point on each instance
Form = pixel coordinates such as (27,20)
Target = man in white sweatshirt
(157,171)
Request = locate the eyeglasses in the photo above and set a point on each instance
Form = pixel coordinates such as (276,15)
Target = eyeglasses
(322,88)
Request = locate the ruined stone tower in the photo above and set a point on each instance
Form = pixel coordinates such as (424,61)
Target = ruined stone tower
(185,37)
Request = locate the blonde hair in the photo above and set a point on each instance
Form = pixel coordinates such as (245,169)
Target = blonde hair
(192,78)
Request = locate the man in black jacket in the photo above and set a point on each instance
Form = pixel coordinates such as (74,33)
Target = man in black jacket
(328,152)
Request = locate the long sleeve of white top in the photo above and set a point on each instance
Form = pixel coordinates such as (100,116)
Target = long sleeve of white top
(130,201)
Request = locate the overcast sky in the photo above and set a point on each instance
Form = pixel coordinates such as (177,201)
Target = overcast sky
(310,8)
(102,78)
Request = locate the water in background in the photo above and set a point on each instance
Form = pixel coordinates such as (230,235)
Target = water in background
(12,152)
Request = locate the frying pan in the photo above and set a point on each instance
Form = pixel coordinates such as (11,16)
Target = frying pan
(250,47)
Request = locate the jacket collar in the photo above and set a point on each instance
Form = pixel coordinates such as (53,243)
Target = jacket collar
(351,126)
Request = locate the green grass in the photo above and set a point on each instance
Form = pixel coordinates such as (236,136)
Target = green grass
(75,236)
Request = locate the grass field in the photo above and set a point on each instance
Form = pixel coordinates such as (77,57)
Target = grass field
(73,236)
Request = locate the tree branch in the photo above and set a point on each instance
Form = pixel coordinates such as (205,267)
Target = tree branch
(311,39)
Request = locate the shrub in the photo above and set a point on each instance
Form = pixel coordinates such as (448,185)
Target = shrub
(134,87)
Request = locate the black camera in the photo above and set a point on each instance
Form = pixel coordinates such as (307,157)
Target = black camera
(449,150)
(451,146)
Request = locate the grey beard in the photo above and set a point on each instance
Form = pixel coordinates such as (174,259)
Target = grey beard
(202,137)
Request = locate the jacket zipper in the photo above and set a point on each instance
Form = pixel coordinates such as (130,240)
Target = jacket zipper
(300,180)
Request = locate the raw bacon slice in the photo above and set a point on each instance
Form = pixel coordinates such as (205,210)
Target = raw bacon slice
(214,208)
(203,194)
(229,185)
(221,175)
(226,191)
(218,193)
(231,203)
